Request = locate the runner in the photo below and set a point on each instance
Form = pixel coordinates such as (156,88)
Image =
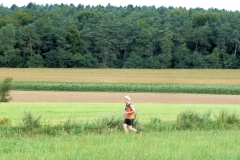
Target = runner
(129,116)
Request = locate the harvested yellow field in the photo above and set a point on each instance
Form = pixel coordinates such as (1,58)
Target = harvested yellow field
(171,76)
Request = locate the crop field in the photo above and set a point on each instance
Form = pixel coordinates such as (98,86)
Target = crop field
(123,80)
(53,117)
(167,76)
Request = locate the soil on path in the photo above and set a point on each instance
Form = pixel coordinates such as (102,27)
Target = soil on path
(106,97)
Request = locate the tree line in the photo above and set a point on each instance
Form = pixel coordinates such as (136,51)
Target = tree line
(68,36)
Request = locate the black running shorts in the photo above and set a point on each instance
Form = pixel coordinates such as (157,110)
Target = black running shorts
(129,122)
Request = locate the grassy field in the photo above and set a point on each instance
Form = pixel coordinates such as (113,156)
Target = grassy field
(170,76)
(207,144)
(57,112)
(181,145)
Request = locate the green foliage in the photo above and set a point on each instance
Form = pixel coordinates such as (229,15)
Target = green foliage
(201,35)
(85,14)
(90,61)
(108,36)
(201,18)
(167,44)
(225,119)
(5,121)
(30,40)
(164,60)
(35,61)
(191,120)
(197,60)
(143,23)
(7,40)
(181,57)
(5,88)
(7,20)
(107,122)
(52,60)
(156,124)
(152,62)
(73,127)
(213,59)
(134,61)
(178,11)
(30,122)
(186,120)
(73,37)
(112,121)
(22,16)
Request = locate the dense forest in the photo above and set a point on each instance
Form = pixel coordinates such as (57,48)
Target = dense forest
(68,36)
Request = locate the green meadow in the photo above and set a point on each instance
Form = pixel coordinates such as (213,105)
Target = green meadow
(214,144)
(177,145)
(58,112)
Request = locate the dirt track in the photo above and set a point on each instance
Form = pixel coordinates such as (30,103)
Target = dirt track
(100,97)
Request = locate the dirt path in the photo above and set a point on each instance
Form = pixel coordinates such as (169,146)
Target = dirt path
(103,97)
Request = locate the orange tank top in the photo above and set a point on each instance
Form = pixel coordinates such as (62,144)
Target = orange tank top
(129,109)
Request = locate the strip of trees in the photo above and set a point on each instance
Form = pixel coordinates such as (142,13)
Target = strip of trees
(68,36)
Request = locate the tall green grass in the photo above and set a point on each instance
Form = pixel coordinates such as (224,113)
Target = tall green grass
(170,131)
(128,87)
(214,145)
(186,120)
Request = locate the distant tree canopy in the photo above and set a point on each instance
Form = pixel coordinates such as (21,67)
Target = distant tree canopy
(68,36)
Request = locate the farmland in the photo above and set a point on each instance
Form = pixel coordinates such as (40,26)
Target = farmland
(167,76)
(123,80)
(72,124)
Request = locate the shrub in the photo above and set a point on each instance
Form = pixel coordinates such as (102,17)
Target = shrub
(4,121)
(155,124)
(30,122)
(227,120)
(189,119)
(102,124)
(5,89)
(72,127)
(113,122)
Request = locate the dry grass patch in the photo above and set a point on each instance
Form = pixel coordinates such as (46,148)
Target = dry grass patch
(170,76)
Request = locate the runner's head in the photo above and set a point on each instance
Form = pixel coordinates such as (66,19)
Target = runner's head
(127,98)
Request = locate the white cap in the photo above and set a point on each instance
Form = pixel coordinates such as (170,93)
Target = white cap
(127,97)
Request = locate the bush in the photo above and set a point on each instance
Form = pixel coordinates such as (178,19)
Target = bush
(30,122)
(4,121)
(5,89)
(189,119)
(227,120)
(155,124)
